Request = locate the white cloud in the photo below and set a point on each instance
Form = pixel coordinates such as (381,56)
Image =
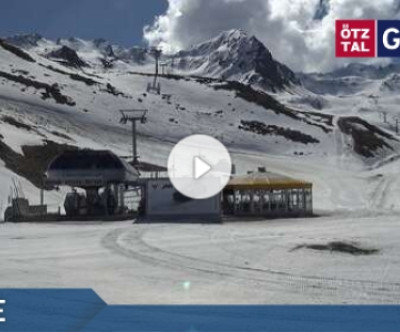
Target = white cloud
(287,27)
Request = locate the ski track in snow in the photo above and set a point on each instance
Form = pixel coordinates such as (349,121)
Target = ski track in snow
(233,263)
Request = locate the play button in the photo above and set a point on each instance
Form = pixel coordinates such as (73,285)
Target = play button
(199,167)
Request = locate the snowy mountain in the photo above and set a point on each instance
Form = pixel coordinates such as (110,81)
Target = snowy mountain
(95,53)
(47,105)
(351,79)
(233,55)
(234,110)
(26,41)
(365,71)
(391,83)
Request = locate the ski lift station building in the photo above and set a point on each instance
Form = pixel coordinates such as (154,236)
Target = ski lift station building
(256,194)
(107,179)
(91,171)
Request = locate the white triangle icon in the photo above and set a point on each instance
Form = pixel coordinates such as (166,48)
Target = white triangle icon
(200,168)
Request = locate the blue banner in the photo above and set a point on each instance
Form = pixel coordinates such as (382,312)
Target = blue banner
(84,310)
(48,310)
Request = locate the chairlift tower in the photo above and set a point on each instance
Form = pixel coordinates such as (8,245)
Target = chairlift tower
(173,63)
(164,67)
(134,116)
(155,86)
(397,124)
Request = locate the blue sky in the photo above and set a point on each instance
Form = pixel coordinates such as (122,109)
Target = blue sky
(120,21)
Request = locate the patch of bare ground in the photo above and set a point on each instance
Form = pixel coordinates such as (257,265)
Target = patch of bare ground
(339,247)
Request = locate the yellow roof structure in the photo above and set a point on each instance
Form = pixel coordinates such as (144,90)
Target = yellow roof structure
(267,180)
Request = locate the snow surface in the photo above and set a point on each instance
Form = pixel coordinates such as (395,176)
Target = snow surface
(234,263)
(356,197)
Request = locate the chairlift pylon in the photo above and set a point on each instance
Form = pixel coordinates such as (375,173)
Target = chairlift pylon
(155,86)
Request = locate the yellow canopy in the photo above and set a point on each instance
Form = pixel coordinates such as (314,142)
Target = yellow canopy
(260,181)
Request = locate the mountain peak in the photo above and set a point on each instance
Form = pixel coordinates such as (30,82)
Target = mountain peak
(25,40)
(234,55)
(234,34)
(225,38)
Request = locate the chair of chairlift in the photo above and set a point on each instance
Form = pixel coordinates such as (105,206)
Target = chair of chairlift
(152,88)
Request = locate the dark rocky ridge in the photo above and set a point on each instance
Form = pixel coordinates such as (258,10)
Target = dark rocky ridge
(16,51)
(68,57)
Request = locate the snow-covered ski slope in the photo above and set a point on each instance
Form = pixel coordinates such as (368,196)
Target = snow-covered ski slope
(235,263)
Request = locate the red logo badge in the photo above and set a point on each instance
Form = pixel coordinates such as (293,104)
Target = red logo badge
(355,38)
